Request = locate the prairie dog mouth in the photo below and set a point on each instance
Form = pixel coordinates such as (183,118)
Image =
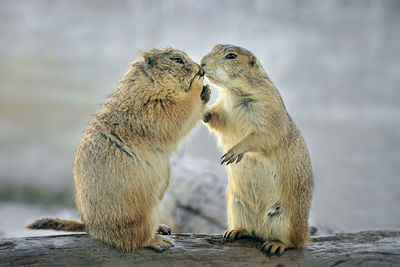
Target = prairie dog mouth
(201,72)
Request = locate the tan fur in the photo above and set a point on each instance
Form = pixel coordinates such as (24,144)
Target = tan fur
(270,188)
(121,168)
(57,225)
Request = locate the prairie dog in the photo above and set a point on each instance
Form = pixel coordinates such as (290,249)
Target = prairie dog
(121,168)
(270,180)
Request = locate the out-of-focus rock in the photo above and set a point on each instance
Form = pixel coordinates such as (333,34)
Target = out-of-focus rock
(195,199)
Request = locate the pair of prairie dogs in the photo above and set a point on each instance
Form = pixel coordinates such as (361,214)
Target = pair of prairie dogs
(121,169)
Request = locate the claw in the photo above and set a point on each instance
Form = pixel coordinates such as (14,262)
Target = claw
(239,158)
(232,235)
(227,158)
(167,241)
(232,159)
(273,248)
(158,248)
(266,248)
(207,117)
(164,229)
(228,235)
(205,94)
(225,236)
(236,235)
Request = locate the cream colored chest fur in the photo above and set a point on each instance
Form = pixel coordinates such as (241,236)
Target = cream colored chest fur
(237,120)
(256,176)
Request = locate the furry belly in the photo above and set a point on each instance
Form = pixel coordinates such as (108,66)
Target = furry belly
(256,197)
(255,178)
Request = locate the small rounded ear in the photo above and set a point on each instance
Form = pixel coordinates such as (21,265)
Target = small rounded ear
(148,59)
(253,61)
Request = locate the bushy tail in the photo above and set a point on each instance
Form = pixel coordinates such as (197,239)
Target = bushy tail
(57,225)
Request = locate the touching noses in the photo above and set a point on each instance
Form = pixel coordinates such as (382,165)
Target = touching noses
(201,72)
(203,62)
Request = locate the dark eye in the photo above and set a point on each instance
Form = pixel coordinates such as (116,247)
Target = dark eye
(230,56)
(177,60)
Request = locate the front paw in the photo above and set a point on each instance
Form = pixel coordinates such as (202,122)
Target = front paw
(231,156)
(205,94)
(207,117)
(164,229)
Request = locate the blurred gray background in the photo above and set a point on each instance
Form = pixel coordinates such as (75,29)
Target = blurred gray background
(336,64)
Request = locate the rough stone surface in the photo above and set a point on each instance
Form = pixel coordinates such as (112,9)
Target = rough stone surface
(369,248)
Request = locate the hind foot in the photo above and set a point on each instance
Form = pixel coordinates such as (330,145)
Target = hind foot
(232,235)
(164,229)
(273,247)
(160,243)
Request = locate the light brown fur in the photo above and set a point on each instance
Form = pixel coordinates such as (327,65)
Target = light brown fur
(269,170)
(121,168)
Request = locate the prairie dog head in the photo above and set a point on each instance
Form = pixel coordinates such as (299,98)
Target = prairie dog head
(170,68)
(161,73)
(231,66)
(158,74)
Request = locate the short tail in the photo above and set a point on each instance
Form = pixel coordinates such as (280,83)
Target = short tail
(57,225)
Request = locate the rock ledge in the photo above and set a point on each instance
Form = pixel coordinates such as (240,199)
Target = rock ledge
(368,248)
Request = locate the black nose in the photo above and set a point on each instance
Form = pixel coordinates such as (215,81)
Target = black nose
(203,65)
(201,72)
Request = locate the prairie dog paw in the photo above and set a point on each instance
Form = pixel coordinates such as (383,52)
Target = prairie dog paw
(231,156)
(160,243)
(205,94)
(164,229)
(196,84)
(207,116)
(235,234)
(273,247)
